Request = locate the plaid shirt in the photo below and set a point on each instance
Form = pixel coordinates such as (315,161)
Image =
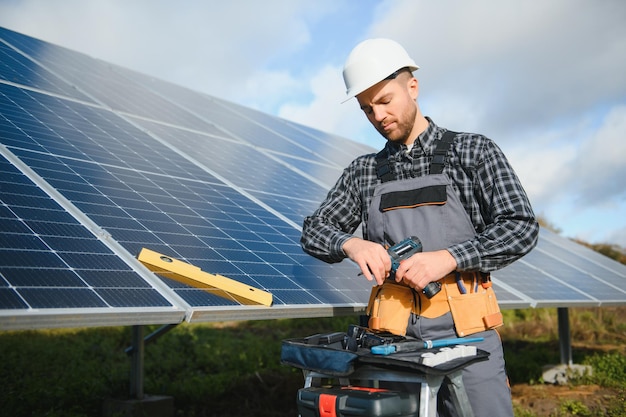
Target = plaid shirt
(488,188)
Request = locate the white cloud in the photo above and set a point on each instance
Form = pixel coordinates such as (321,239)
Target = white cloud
(601,162)
(579,185)
(580,163)
(522,63)
(267,90)
(324,111)
(544,171)
(616,236)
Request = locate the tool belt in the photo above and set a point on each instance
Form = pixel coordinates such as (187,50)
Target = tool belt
(390,306)
(468,296)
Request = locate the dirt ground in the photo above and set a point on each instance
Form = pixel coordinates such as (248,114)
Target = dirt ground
(546,400)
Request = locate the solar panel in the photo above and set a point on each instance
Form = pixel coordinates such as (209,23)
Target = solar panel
(51,265)
(100,162)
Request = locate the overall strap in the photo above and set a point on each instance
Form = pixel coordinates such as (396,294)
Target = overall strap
(439,156)
(383,168)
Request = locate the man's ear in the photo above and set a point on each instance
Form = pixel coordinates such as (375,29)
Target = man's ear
(413,87)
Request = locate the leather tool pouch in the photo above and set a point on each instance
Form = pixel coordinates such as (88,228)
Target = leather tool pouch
(474,312)
(390,307)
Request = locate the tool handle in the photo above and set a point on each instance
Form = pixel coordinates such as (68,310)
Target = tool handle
(383,349)
(429,344)
(388,349)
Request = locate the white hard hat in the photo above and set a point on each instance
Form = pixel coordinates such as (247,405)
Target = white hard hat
(372,61)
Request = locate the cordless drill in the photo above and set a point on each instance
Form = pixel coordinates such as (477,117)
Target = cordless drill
(404,250)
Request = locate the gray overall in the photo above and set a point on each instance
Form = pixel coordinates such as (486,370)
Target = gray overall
(428,207)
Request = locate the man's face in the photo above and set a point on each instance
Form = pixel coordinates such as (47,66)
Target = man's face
(391,108)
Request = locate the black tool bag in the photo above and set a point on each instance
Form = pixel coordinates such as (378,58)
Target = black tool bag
(324,353)
(338,354)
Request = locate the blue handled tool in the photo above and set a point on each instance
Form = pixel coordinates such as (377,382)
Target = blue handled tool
(428,344)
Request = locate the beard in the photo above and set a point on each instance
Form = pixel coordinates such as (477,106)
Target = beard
(403,129)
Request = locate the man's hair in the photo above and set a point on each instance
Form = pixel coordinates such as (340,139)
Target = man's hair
(399,72)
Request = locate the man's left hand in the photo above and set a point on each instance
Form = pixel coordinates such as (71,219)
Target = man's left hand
(425,267)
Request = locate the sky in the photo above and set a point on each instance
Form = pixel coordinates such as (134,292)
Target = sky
(546,80)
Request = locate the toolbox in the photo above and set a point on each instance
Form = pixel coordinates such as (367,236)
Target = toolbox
(356,401)
(339,369)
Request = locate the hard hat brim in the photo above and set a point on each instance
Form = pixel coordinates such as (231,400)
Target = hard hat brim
(365,84)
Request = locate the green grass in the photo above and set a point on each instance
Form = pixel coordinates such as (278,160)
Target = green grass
(233,369)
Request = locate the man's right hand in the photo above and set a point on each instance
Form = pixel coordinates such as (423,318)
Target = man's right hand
(371,257)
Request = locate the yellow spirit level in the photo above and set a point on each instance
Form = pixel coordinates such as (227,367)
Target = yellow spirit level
(192,275)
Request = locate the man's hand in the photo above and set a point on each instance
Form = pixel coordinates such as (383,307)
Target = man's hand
(425,267)
(371,257)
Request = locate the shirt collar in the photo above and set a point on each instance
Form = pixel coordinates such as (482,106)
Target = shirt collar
(424,143)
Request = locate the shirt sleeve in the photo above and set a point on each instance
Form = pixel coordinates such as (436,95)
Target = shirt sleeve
(332,224)
(510,229)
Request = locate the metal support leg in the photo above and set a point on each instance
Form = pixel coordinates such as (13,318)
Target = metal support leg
(565,342)
(137,361)
(428,395)
(153,336)
(459,396)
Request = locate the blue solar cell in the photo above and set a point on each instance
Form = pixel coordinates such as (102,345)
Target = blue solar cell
(120,279)
(44,228)
(32,277)
(39,259)
(203,298)
(21,242)
(74,244)
(61,298)
(99,261)
(132,297)
(297,297)
(10,300)
(294,208)
(12,226)
(323,172)
(277,281)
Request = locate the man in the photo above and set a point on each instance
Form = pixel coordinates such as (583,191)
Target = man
(456,192)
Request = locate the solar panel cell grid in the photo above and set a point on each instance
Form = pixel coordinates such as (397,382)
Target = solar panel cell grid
(50,261)
(244,165)
(10,300)
(18,69)
(538,286)
(231,219)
